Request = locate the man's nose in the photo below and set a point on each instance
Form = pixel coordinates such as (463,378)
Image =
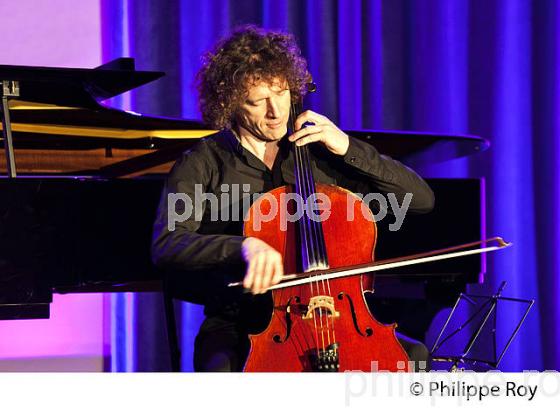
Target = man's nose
(273,109)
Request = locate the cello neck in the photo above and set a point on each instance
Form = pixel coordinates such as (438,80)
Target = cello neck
(312,241)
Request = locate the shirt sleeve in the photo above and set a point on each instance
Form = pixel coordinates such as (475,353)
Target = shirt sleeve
(388,176)
(176,242)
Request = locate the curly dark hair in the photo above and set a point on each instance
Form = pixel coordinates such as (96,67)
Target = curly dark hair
(249,54)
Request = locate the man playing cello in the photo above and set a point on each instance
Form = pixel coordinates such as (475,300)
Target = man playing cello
(247,85)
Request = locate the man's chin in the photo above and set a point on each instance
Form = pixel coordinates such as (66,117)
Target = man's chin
(273,136)
(276,135)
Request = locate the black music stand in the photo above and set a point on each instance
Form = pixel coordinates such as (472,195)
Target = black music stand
(486,312)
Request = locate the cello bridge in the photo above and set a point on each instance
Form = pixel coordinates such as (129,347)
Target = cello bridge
(322,305)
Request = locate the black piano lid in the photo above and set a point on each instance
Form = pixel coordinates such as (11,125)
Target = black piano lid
(76,87)
(83,89)
(422,148)
(142,130)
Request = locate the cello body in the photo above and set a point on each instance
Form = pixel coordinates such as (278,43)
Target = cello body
(325,326)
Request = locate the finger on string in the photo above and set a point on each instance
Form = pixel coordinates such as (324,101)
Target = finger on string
(313,129)
(302,119)
(307,116)
(307,140)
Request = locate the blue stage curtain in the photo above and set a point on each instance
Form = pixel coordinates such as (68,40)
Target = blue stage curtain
(484,67)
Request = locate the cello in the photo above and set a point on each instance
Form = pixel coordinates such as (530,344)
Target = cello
(324,325)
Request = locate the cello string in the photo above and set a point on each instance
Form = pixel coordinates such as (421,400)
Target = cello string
(307,190)
(310,188)
(325,283)
(304,191)
(313,233)
(304,194)
(316,330)
(319,243)
(321,320)
(304,237)
(308,228)
(317,238)
(304,233)
(304,240)
(309,223)
(320,240)
(332,316)
(318,247)
(314,228)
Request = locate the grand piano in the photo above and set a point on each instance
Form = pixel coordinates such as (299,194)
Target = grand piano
(83,181)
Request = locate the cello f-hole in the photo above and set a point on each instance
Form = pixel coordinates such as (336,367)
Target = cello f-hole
(368,332)
(288,316)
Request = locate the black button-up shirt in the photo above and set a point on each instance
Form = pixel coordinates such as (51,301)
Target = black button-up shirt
(204,250)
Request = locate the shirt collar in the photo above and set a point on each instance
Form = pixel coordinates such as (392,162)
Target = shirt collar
(233,141)
(285,152)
